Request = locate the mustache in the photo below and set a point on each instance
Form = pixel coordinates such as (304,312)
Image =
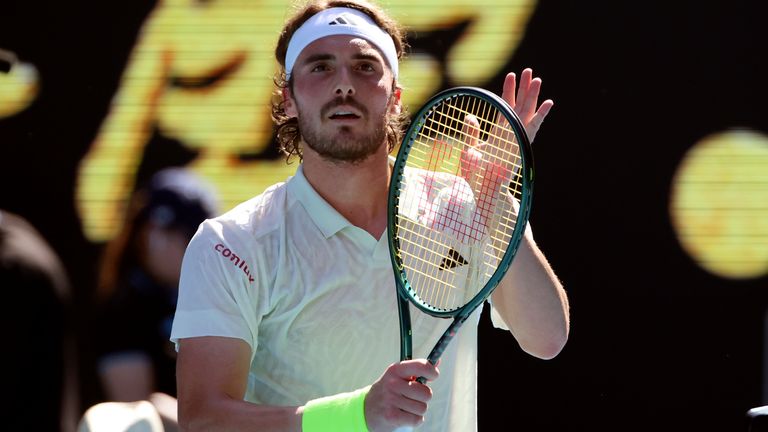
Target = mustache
(339,101)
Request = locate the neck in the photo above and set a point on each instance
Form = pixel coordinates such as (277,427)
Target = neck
(358,191)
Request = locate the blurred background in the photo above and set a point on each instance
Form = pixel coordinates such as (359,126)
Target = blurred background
(651,193)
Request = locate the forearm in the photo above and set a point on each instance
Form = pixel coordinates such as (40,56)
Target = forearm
(394,400)
(227,414)
(532,302)
(212,373)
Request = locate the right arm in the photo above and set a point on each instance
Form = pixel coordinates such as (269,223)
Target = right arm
(212,373)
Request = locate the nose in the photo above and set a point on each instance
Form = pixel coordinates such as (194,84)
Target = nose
(344,85)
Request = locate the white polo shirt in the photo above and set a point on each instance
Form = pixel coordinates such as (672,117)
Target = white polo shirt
(314,297)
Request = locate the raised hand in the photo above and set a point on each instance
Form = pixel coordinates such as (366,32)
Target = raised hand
(525,100)
(487,165)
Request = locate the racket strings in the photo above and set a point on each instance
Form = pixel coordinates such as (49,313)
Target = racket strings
(501,137)
(462,228)
(500,129)
(496,246)
(433,268)
(515,181)
(441,123)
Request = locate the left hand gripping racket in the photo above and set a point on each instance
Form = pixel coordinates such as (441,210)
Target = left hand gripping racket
(458,206)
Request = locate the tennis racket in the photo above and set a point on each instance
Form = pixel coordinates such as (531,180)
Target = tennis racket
(458,205)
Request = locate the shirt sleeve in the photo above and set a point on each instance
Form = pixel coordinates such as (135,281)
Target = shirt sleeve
(216,288)
(496,319)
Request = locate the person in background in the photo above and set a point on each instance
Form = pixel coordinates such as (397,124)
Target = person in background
(39,356)
(138,283)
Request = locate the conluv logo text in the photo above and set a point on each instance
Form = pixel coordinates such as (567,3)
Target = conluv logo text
(234,259)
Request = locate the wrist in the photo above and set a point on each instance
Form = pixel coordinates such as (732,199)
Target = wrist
(344,412)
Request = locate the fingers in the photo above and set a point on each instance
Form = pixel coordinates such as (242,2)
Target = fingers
(535,122)
(508,92)
(471,130)
(471,157)
(397,399)
(544,108)
(528,97)
(523,97)
(410,369)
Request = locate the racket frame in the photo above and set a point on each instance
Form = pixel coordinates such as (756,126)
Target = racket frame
(405,292)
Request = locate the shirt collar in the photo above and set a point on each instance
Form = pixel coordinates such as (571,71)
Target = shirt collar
(325,217)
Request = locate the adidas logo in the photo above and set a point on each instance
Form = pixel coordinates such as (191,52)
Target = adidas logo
(454,259)
(347,19)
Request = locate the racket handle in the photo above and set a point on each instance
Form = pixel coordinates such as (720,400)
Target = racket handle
(408,428)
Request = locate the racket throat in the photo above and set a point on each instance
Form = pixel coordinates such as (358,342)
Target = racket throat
(445,339)
(442,344)
(406,332)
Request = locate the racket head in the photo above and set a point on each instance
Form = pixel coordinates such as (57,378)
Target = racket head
(452,228)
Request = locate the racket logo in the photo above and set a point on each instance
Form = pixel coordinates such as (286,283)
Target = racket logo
(453,260)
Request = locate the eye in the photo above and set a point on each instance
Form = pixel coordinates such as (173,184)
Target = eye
(366,67)
(320,67)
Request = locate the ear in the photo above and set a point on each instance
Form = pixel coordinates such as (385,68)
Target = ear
(397,106)
(289,103)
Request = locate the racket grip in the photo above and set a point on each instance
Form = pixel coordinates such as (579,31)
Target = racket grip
(421,379)
(408,428)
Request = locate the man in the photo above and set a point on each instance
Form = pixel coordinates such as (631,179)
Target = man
(287,317)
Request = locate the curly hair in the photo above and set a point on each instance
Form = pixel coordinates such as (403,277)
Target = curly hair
(287,128)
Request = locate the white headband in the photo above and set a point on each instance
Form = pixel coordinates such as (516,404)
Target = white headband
(340,21)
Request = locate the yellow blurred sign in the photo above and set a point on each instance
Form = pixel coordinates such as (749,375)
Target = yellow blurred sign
(719,204)
(202,74)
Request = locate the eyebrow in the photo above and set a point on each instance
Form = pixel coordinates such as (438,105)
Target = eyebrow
(364,56)
(318,57)
(360,56)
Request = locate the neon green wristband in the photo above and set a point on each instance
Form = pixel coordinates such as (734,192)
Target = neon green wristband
(343,412)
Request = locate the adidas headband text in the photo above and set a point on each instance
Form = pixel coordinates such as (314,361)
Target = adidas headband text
(340,21)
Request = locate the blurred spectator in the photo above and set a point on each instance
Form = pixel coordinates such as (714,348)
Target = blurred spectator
(138,282)
(39,356)
(139,416)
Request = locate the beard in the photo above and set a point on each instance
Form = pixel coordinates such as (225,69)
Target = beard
(341,144)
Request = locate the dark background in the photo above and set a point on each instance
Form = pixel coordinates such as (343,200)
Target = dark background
(657,343)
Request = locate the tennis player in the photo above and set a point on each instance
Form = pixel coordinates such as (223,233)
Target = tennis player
(287,316)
